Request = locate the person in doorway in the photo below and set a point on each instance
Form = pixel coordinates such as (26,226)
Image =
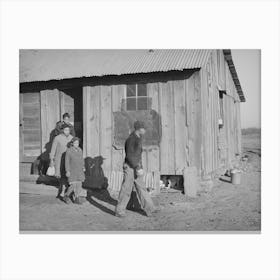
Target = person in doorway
(133,174)
(57,157)
(57,129)
(66,120)
(74,166)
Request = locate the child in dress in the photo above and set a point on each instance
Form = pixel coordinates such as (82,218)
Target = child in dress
(74,166)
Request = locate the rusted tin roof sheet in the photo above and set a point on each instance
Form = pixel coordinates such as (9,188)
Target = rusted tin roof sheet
(45,65)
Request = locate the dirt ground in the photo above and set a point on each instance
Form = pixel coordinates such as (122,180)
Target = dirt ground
(226,207)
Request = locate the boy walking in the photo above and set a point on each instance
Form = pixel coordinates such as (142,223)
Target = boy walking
(133,174)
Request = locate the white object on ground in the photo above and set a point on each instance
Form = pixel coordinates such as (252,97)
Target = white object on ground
(51,171)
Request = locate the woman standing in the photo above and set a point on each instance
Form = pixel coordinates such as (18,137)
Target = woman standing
(74,165)
(57,157)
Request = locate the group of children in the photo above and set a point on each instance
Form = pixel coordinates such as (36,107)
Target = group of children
(66,157)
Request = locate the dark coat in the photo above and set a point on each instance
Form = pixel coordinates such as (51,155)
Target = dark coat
(74,163)
(133,151)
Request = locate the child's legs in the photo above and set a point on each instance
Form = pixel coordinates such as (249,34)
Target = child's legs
(62,186)
(70,189)
(77,188)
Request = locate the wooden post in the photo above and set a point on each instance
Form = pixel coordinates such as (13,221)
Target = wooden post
(156,182)
(190,181)
(50,115)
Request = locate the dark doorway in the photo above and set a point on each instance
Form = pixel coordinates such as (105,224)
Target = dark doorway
(72,103)
(175,182)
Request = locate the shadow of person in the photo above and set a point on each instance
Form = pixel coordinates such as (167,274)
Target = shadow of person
(95,178)
(96,183)
(44,159)
(102,195)
(225,179)
(41,164)
(100,206)
(48,180)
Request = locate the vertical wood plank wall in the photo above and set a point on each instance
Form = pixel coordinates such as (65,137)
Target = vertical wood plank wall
(214,77)
(99,103)
(50,114)
(167,145)
(178,103)
(169,100)
(153,152)
(30,130)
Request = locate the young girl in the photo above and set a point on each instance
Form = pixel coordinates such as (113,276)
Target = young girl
(74,166)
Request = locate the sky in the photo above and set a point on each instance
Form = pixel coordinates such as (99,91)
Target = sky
(247,63)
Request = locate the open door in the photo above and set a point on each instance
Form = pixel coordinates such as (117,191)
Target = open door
(71,101)
(54,103)
(67,106)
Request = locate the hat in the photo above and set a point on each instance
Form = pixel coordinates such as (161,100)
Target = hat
(75,139)
(138,125)
(98,160)
(64,125)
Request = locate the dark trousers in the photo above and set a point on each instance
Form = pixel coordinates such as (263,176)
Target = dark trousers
(130,182)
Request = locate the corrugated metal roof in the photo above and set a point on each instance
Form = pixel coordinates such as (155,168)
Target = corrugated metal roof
(45,65)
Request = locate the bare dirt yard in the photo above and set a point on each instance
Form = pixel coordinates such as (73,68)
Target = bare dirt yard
(226,207)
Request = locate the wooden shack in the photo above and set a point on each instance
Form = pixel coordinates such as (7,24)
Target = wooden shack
(189,99)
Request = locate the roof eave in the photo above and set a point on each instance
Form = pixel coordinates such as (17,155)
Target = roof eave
(232,69)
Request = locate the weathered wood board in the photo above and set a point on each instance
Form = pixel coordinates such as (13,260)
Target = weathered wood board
(180,134)
(105,130)
(30,125)
(118,93)
(153,158)
(91,104)
(167,145)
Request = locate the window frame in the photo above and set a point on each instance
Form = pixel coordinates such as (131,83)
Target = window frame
(136,97)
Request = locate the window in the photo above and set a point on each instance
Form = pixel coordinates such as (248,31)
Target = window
(136,97)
